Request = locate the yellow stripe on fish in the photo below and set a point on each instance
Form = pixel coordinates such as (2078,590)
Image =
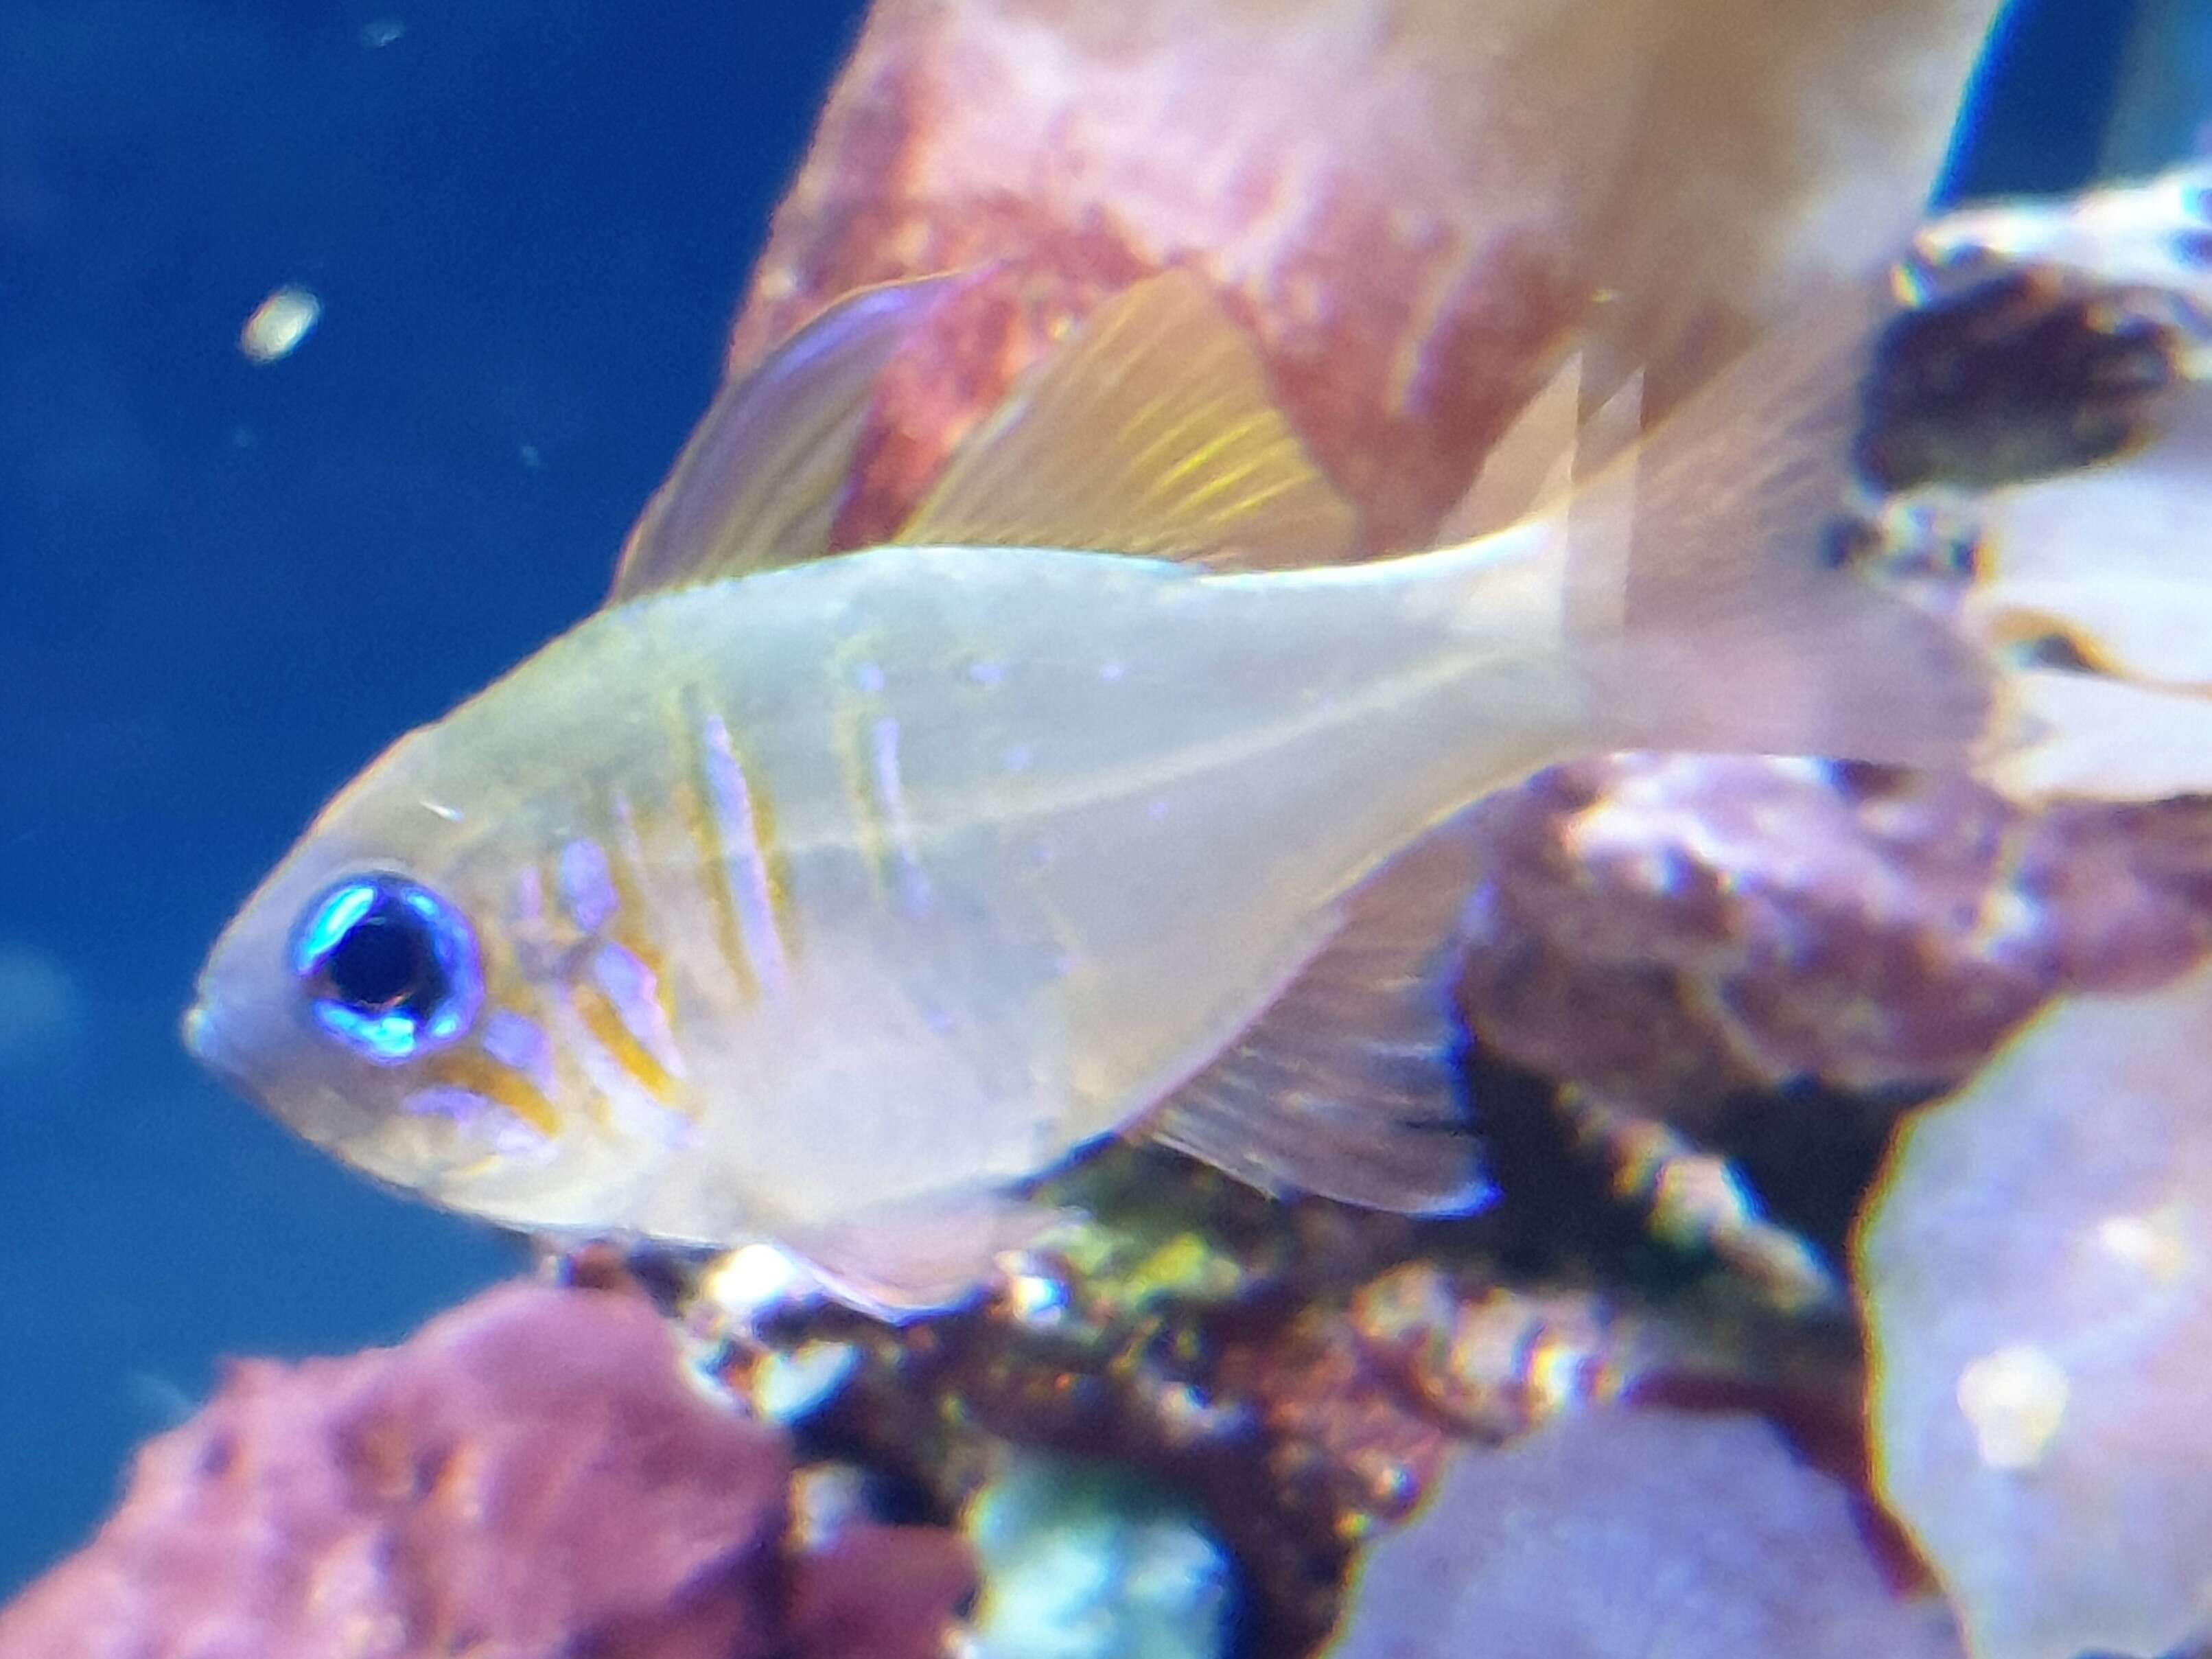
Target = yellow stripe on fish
(479,1075)
(732,823)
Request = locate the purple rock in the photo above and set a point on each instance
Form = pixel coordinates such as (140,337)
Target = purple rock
(1671,929)
(1637,1533)
(2037,1273)
(531,1475)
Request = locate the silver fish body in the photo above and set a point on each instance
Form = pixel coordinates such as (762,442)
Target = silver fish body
(829,899)
(937,862)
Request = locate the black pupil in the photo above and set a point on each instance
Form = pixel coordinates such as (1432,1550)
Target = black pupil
(385,962)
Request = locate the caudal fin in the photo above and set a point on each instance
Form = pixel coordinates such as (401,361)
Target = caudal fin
(1704,588)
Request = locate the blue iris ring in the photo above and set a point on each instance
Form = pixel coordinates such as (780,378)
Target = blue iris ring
(391,969)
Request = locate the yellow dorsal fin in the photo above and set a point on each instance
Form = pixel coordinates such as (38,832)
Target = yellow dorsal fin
(760,480)
(1149,430)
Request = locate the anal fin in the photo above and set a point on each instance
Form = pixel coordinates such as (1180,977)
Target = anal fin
(1349,1085)
(926,1256)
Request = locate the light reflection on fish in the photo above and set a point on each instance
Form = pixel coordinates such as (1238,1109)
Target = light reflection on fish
(829,899)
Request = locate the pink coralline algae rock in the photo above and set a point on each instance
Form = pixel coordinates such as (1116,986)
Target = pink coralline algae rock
(531,1475)
(1673,929)
(1491,181)
(1681,926)
(1637,1533)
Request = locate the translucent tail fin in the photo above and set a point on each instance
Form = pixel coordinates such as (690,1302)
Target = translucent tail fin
(1705,593)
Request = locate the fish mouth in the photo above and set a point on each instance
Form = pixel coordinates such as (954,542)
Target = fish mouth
(202,1040)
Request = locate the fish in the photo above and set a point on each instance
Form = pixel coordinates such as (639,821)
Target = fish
(834,899)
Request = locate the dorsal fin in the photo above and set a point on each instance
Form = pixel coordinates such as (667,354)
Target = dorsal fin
(1348,1084)
(759,481)
(1150,431)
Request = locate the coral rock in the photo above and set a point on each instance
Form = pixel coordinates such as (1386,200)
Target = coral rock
(529,1476)
(2037,1272)
(877,1592)
(1672,929)
(1489,179)
(1631,1534)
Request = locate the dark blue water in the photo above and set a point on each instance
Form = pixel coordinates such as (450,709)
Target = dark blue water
(223,588)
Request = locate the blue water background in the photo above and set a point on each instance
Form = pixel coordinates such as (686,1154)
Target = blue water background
(224,587)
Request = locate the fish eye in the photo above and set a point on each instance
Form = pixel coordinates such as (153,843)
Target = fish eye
(390,967)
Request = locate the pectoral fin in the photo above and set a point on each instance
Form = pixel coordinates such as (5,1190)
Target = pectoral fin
(1349,1085)
(1150,431)
(759,482)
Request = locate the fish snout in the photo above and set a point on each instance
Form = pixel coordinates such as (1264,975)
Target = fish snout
(202,1038)
(197,1030)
